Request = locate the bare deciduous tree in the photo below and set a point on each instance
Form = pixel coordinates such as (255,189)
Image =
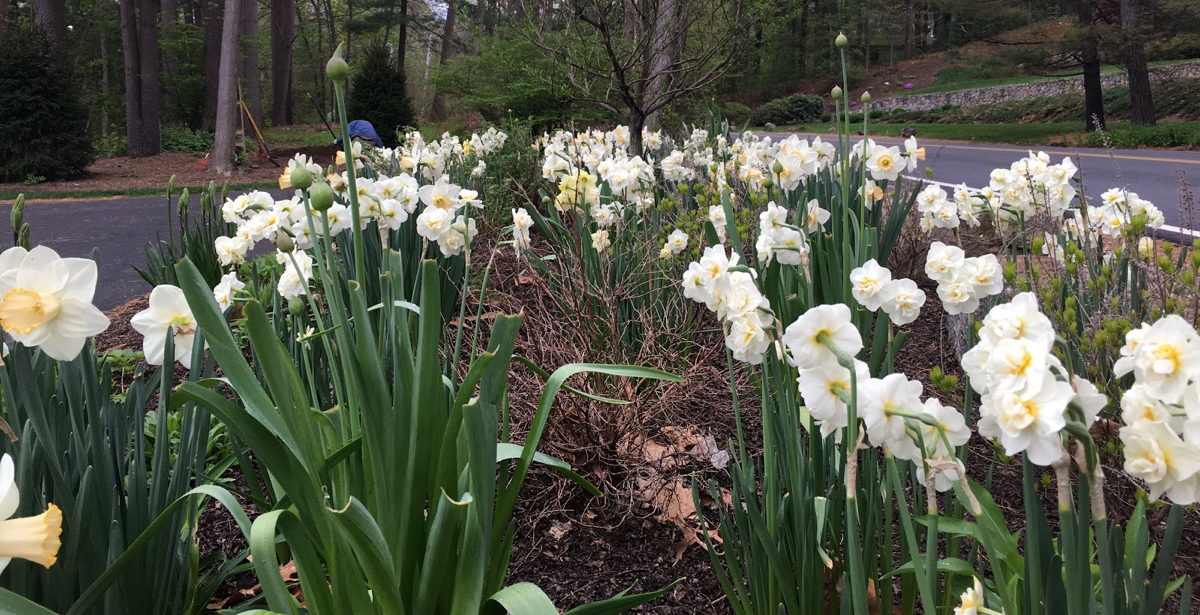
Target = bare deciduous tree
(1093,92)
(636,57)
(438,109)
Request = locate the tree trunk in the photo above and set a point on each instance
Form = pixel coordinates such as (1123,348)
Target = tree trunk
(139,20)
(663,49)
(402,44)
(51,17)
(438,110)
(802,44)
(251,80)
(227,107)
(910,28)
(170,23)
(637,122)
(1140,98)
(1093,94)
(283,33)
(213,12)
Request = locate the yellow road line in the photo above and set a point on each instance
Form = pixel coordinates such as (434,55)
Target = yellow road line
(951,144)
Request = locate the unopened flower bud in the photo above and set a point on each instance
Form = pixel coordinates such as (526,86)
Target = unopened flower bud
(836,92)
(841,40)
(777,168)
(301,178)
(284,242)
(18,212)
(295,306)
(337,69)
(321,196)
(171,185)
(866,97)
(767,183)
(23,236)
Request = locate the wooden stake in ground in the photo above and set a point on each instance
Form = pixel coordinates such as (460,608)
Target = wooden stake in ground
(227,104)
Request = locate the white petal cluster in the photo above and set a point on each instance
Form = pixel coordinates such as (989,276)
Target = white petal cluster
(46,301)
(729,290)
(962,281)
(873,287)
(1161,411)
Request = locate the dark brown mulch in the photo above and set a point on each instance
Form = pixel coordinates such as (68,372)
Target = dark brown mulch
(120,334)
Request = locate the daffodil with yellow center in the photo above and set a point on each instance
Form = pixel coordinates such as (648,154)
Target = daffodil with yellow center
(46,301)
(168,312)
(30,538)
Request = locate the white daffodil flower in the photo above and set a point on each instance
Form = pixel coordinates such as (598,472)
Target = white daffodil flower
(46,301)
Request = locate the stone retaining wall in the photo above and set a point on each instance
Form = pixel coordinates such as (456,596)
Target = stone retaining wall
(1025,91)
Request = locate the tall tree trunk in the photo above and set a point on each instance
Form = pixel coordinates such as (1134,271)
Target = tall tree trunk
(3,17)
(402,44)
(213,12)
(139,33)
(438,110)
(910,28)
(51,16)
(283,33)
(170,25)
(1140,98)
(227,106)
(251,79)
(664,49)
(1093,93)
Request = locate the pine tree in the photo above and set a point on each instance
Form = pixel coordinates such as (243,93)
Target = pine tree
(43,126)
(379,94)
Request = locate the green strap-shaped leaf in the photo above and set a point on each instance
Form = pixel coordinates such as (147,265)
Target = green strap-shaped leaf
(520,599)
(621,602)
(506,451)
(13,604)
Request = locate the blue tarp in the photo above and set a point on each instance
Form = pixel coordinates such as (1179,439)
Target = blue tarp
(362,129)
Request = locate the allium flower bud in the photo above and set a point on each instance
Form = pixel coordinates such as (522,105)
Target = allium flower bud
(841,40)
(777,168)
(295,306)
(866,97)
(284,242)
(321,196)
(836,93)
(301,178)
(337,69)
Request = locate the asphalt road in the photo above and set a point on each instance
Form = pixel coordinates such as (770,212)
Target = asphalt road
(119,228)
(1154,175)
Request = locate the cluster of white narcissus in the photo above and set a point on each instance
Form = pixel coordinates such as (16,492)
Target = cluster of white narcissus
(1024,389)
(962,281)
(873,287)
(783,240)
(727,288)
(890,407)
(1161,411)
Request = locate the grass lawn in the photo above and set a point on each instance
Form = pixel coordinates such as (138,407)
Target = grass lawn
(1016,134)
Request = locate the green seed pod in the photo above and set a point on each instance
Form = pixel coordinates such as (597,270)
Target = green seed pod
(337,69)
(295,306)
(321,196)
(301,178)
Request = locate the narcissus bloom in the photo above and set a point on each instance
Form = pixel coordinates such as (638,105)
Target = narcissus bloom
(46,301)
(677,241)
(1156,455)
(168,311)
(31,538)
(802,337)
(885,163)
(223,292)
(971,601)
(902,301)
(867,282)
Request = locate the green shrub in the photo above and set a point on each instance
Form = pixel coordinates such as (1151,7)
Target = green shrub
(43,126)
(877,113)
(182,139)
(795,109)
(1161,135)
(736,112)
(826,117)
(379,94)
(856,118)
(899,110)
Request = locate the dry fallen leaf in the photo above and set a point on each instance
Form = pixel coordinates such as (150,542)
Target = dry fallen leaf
(558,529)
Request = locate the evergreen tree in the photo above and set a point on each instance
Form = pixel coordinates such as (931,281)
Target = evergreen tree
(43,126)
(379,94)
